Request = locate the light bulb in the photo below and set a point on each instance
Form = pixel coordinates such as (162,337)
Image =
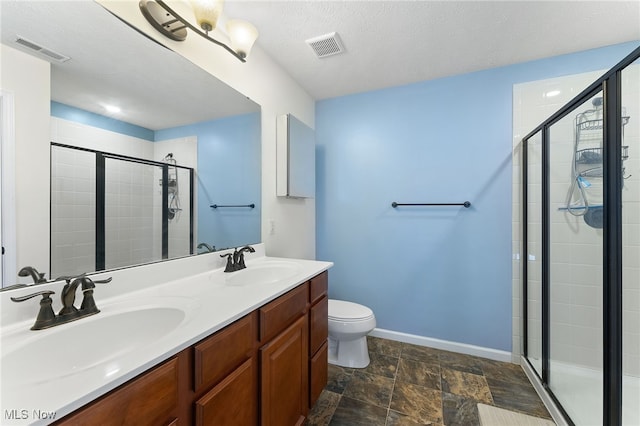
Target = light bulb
(207,13)
(242,35)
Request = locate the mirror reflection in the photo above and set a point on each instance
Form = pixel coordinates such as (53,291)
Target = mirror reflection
(142,144)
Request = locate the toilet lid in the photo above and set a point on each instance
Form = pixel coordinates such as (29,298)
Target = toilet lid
(343,310)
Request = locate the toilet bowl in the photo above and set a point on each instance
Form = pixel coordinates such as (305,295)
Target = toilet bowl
(349,324)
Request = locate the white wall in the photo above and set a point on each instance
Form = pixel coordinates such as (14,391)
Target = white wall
(262,80)
(27,78)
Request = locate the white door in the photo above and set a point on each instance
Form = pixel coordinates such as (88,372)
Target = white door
(7,191)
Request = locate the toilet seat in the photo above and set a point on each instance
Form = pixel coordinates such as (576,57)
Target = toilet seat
(343,311)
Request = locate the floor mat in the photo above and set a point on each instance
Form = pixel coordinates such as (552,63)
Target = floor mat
(494,416)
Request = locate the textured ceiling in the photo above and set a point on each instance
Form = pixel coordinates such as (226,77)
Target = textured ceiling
(387,43)
(391,43)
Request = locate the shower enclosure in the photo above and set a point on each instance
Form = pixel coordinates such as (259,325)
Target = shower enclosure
(581,236)
(110,211)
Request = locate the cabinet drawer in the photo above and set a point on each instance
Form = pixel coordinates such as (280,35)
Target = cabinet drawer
(218,355)
(233,401)
(278,314)
(319,286)
(151,399)
(318,373)
(318,324)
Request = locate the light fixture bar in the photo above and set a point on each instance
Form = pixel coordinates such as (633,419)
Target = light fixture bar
(163,22)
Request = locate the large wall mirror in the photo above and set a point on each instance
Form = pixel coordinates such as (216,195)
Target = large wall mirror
(180,156)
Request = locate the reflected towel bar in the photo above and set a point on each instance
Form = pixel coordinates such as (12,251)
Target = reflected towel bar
(466,204)
(215,206)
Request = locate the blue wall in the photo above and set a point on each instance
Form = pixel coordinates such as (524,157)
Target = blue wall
(229,172)
(440,272)
(100,121)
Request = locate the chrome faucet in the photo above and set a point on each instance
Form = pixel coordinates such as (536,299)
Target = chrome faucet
(47,318)
(38,278)
(235,260)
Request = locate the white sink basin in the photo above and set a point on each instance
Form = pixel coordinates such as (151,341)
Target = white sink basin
(262,273)
(87,343)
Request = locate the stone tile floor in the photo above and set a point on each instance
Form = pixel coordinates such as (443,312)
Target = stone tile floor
(413,385)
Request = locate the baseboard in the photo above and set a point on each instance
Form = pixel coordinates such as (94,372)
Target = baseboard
(446,345)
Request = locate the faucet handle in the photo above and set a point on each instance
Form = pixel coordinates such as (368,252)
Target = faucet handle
(68,278)
(88,305)
(230,262)
(46,317)
(45,294)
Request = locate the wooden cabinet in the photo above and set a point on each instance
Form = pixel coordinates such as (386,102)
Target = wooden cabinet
(225,368)
(318,373)
(285,378)
(267,368)
(318,334)
(276,315)
(233,401)
(217,356)
(150,399)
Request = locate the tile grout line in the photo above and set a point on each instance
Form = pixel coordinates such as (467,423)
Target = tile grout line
(393,388)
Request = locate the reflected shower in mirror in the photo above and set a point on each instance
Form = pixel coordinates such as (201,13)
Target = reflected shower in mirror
(170,114)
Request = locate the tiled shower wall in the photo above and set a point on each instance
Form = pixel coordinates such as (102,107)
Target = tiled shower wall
(72,229)
(132,229)
(132,195)
(576,271)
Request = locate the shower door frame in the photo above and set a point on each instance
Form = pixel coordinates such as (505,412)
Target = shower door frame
(100,214)
(610,86)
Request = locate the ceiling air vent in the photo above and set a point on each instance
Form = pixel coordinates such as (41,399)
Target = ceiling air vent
(326,45)
(41,51)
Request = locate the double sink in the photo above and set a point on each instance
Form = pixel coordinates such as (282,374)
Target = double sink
(138,322)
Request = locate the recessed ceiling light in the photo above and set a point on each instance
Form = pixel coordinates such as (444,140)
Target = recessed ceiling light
(551,93)
(112,109)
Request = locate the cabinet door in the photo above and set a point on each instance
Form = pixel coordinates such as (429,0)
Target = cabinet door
(318,373)
(151,399)
(285,379)
(234,401)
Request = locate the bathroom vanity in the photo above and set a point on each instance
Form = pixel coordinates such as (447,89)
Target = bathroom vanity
(250,349)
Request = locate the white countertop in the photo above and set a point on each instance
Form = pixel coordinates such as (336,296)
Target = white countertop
(44,381)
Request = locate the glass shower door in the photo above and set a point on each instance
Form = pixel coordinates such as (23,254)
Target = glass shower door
(576,261)
(133,213)
(533,251)
(630,81)
(73,206)
(179,212)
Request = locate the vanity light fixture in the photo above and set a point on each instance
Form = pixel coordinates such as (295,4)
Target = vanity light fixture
(167,21)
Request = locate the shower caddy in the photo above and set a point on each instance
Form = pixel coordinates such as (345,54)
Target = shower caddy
(173,209)
(585,193)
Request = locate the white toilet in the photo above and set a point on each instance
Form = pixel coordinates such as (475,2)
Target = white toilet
(349,324)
